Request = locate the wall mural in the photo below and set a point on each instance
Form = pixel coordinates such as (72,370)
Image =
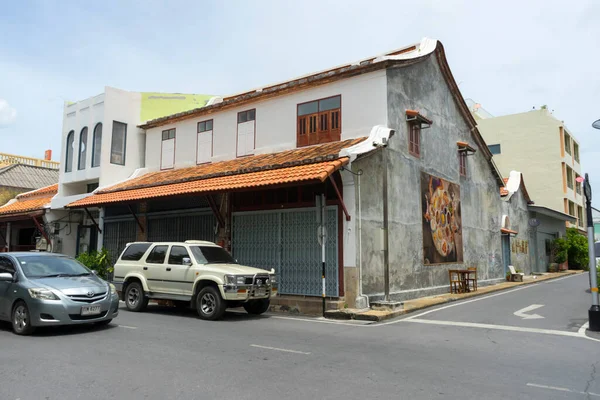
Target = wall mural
(442,230)
(519,246)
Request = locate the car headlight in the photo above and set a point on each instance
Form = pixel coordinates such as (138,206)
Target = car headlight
(235,279)
(113,289)
(42,294)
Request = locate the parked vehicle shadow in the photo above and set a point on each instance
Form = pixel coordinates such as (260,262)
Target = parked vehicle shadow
(232,314)
(65,330)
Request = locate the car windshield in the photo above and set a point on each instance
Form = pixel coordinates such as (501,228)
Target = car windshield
(51,266)
(211,255)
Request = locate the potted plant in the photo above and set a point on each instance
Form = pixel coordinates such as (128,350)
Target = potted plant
(560,254)
(508,276)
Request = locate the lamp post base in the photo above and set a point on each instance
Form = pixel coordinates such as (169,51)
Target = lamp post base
(594,314)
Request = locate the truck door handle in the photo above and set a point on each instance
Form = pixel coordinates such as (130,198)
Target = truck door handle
(145,268)
(168,269)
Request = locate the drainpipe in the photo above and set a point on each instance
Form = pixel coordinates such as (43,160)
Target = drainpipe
(360,280)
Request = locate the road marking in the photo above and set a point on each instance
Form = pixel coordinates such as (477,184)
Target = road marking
(127,327)
(583,328)
(522,311)
(278,349)
(561,389)
(321,320)
(497,327)
(460,303)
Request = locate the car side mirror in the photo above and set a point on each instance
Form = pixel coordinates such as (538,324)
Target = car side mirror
(6,277)
(186,261)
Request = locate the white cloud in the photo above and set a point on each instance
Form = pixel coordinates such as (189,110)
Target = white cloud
(8,115)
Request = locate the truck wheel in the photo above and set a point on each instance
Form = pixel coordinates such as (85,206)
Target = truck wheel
(257,307)
(135,298)
(209,304)
(21,319)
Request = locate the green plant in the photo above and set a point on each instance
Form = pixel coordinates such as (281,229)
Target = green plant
(577,249)
(560,250)
(508,274)
(98,261)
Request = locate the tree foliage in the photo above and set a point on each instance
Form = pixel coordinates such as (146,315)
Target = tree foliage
(577,249)
(98,261)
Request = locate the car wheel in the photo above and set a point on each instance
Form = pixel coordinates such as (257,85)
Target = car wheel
(257,307)
(135,298)
(103,323)
(209,304)
(21,319)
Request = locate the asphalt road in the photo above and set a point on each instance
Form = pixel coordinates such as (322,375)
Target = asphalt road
(476,349)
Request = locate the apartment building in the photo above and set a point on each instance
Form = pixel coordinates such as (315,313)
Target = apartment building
(541,147)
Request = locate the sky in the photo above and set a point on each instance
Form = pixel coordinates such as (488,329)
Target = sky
(509,56)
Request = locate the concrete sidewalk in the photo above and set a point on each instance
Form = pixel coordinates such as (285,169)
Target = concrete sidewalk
(425,302)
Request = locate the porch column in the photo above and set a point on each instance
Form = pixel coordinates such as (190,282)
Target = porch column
(8,236)
(142,231)
(100,241)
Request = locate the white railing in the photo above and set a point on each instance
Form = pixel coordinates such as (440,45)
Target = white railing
(37,162)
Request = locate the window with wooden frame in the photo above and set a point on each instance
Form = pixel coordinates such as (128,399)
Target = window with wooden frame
(580,216)
(572,209)
(319,121)
(414,138)
(567,143)
(246,132)
(462,162)
(576,151)
(577,184)
(204,142)
(569,177)
(167,149)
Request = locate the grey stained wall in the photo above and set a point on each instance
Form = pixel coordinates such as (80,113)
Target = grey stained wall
(422,87)
(549,229)
(521,244)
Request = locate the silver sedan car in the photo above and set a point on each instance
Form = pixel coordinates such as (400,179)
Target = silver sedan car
(44,289)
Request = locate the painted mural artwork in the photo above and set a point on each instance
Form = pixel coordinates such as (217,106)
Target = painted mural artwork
(442,233)
(520,246)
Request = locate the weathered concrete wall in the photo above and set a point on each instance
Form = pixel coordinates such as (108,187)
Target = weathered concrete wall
(422,87)
(518,214)
(549,229)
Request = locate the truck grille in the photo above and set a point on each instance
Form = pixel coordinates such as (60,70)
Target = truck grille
(262,278)
(82,298)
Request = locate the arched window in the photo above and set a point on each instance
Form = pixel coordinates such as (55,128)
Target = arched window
(69,151)
(82,148)
(97,146)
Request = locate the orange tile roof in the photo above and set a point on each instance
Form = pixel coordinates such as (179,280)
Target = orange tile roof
(30,201)
(243,165)
(508,231)
(503,190)
(48,190)
(416,114)
(316,172)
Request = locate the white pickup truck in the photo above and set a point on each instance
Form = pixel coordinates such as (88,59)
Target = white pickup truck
(193,273)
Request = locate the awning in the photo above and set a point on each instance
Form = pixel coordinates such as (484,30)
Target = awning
(509,232)
(306,165)
(305,174)
(464,146)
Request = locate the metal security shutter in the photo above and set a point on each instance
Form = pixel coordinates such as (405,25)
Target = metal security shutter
(287,241)
(178,228)
(116,235)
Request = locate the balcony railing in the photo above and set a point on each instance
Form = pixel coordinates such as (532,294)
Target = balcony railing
(36,162)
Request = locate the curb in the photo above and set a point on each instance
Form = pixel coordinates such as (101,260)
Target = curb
(382,315)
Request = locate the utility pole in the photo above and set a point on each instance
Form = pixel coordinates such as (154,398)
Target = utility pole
(594,312)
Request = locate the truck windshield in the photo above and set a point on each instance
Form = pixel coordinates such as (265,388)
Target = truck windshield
(211,255)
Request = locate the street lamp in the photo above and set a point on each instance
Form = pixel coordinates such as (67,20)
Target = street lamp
(594,312)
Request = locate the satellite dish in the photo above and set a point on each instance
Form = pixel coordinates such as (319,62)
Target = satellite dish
(533,222)
(596,124)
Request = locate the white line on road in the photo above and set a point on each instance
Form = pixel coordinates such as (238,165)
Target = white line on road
(496,327)
(561,389)
(278,349)
(521,313)
(127,327)
(460,303)
(583,328)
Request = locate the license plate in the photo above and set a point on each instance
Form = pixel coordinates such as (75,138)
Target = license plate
(90,310)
